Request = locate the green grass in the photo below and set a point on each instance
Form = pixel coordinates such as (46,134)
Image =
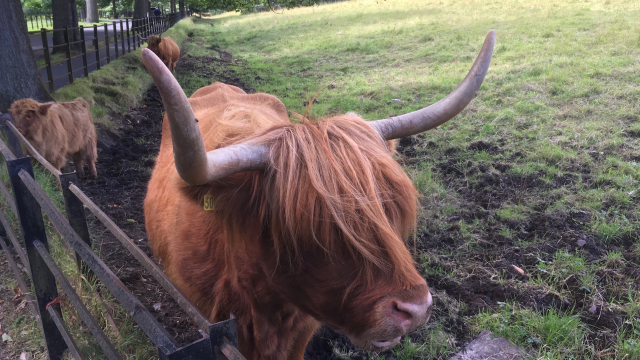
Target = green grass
(553,335)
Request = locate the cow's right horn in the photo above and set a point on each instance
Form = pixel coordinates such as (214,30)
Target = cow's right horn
(436,114)
(194,164)
(141,38)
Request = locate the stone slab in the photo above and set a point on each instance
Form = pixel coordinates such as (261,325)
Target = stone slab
(486,347)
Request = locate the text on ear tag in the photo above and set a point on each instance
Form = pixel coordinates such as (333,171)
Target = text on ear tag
(208,203)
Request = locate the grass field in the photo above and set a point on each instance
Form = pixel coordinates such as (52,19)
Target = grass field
(540,172)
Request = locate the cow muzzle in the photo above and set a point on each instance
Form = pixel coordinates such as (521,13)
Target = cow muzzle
(399,314)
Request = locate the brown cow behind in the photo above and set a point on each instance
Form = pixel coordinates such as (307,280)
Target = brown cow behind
(289,226)
(59,129)
(166,49)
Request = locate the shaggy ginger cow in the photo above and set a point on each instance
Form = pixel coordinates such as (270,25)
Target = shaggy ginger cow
(290,226)
(166,49)
(59,129)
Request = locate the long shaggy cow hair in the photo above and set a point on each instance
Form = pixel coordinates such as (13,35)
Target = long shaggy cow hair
(316,237)
(57,130)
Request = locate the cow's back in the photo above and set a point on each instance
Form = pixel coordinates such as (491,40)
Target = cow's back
(77,122)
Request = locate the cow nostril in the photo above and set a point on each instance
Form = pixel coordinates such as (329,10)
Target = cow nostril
(399,314)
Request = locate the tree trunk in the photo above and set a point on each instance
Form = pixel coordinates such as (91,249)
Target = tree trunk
(65,13)
(19,78)
(173,6)
(140,9)
(92,11)
(181,6)
(115,10)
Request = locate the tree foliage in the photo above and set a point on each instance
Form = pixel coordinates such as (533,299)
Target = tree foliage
(239,5)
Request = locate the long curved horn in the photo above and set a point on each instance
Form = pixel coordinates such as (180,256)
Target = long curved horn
(194,164)
(445,109)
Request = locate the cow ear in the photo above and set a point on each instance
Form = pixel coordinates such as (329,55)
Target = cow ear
(44,108)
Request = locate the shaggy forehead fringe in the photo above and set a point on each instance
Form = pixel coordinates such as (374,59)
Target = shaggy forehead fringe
(333,183)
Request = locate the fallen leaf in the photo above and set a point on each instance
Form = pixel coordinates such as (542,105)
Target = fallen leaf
(581,243)
(593,309)
(17,291)
(157,306)
(518,269)
(24,356)
(6,337)
(22,305)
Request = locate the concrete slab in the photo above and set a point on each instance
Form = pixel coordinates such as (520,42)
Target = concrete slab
(484,347)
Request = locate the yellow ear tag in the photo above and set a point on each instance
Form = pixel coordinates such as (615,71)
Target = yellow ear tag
(208,203)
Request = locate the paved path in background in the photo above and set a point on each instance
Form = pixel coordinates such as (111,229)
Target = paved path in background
(60,71)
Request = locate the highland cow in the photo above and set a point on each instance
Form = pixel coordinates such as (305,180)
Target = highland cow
(290,225)
(166,49)
(57,130)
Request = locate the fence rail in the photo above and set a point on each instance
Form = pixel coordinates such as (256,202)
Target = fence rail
(29,202)
(85,49)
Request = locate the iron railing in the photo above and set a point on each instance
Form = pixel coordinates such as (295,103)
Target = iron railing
(28,203)
(86,49)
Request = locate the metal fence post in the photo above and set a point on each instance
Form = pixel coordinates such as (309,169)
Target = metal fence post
(122,37)
(106,41)
(129,38)
(96,45)
(32,227)
(83,46)
(219,331)
(115,38)
(76,216)
(68,51)
(47,59)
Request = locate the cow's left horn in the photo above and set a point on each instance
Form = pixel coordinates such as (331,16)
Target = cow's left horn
(445,109)
(194,164)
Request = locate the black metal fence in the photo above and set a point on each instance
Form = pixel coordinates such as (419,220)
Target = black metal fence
(39,18)
(28,203)
(86,49)
(36,21)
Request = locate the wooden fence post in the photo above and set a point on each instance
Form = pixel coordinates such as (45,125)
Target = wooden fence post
(96,45)
(32,227)
(68,51)
(76,217)
(83,46)
(12,140)
(47,59)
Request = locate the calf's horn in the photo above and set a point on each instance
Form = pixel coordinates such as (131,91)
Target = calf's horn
(445,109)
(194,164)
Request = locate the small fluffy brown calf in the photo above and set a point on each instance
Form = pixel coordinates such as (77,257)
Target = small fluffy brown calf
(59,129)
(166,49)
